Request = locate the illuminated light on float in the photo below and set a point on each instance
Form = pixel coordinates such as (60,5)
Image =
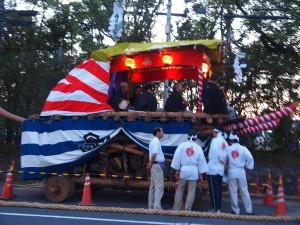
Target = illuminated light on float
(205,68)
(167,59)
(130,63)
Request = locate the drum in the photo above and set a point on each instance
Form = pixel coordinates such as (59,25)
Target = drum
(123,104)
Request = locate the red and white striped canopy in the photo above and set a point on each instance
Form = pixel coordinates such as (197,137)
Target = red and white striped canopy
(83,91)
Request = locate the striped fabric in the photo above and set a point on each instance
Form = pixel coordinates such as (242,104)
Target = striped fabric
(83,91)
(57,146)
(270,117)
(200,88)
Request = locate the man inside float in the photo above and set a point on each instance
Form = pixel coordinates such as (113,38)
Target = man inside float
(146,101)
(214,99)
(175,102)
(119,101)
(137,90)
(231,111)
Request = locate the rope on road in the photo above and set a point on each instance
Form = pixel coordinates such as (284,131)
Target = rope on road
(149,211)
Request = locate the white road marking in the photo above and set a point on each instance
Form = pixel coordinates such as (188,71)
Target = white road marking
(95,219)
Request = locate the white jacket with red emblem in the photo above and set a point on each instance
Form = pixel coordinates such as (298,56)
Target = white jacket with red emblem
(238,158)
(217,155)
(190,160)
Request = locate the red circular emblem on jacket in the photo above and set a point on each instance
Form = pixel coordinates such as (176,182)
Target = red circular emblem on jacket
(235,154)
(223,146)
(189,151)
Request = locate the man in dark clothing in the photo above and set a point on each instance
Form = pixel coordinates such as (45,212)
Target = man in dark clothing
(136,92)
(146,101)
(119,101)
(213,98)
(175,102)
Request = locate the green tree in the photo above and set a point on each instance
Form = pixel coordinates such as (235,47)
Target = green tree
(140,19)
(29,68)
(272,75)
(271,79)
(36,57)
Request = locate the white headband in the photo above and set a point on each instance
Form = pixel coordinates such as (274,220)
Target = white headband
(225,135)
(233,137)
(216,130)
(193,136)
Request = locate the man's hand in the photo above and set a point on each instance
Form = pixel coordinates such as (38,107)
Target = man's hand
(177,175)
(200,178)
(149,166)
(186,103)
(225,164)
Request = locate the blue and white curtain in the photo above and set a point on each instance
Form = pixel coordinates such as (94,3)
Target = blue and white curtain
(60,145)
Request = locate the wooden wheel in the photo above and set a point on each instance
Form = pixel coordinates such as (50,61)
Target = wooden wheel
(59,188)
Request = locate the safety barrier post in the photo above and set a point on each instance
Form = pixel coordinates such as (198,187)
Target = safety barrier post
(269,201)
(87,196)
(280,209)
(7,192)
(256,187)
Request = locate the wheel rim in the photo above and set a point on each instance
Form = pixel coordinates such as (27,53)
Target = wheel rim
(58,188)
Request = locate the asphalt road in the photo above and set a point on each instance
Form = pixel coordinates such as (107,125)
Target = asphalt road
(123,199)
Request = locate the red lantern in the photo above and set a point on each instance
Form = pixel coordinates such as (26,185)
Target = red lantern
(205,67)
(130,63)
(167,59)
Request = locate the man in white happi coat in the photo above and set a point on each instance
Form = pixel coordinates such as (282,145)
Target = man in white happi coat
(156,166)
(216,165)
(239,158)
(189,163)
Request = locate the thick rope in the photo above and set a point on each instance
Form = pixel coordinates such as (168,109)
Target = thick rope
(149,212)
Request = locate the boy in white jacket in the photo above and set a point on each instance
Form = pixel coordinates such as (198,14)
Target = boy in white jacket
(239,158)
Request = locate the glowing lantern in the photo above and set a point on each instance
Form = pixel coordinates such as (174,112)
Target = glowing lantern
(167,60)
(205,67)
(130,63)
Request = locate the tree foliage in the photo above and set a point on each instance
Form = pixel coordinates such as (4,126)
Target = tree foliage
(35,57)
(271,79)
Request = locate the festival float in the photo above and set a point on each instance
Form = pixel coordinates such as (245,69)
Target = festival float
(78,132)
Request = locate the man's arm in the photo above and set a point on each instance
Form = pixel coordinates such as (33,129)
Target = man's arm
(151,160)
(249,159)
(222,101)
(200,177)
(180,102)
(116,100)
(177,174)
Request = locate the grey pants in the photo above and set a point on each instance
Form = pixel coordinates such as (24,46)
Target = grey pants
(180,192)
(235,184)
(156,190)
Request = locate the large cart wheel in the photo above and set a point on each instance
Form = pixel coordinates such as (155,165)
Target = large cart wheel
(198,198)
(59,188)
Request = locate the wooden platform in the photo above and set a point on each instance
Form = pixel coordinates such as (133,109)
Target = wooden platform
(203,123)
(130,115)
